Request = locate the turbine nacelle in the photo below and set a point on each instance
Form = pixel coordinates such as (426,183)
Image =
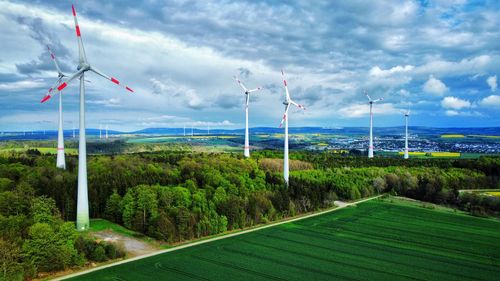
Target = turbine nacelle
(84,66)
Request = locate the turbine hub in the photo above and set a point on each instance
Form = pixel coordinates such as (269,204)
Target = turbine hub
(83,66)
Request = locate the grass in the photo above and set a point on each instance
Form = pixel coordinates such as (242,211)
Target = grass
(43,150)
(414,153)
(102,224)
(377,240)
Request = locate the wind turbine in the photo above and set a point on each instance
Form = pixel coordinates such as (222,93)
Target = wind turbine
(106,131)
(370,145)
(287,103)
(100,131)
(407,114)
(60,163)
(82,212)
(246,148)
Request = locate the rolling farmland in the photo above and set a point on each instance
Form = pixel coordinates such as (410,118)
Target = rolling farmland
(377,240)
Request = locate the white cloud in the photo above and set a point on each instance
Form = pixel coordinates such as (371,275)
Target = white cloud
(492,82)
(378,72)
(455,103)
(435,86)
(108,102)
(404,93)
(22,85)
(360,110)
(473,65)
(493,100)
(451,113)
(177,91)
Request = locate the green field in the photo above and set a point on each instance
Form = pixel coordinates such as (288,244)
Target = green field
(43,150)
(377,240)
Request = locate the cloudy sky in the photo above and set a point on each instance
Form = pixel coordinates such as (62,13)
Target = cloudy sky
(440,57)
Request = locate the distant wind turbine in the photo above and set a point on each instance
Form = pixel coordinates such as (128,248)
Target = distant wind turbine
(60,162)
(82,213)
(407,115)
(246,148)
(370,145)
(287,103)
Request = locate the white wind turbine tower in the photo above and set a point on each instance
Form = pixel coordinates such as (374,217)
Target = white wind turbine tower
(246,148)
(287,103)
(100,131)
(60,163)
(82,212)
(370,145)
(407,115)
(106,131)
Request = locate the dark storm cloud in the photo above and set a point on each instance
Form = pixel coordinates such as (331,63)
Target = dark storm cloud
(330,47)
(45,38)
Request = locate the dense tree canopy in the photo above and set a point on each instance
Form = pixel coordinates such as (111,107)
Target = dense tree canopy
(177,195)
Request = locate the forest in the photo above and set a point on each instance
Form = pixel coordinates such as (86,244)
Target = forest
(175,196)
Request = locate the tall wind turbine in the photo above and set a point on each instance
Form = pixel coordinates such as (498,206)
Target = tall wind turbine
(287,103)
(246,148)
(60,163)
(407,114)
(82,211)
(370,145)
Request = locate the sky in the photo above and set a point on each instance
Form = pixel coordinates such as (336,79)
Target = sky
(439,58)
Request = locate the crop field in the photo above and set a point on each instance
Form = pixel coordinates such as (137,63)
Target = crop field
(445,154)
(377,240)
(493,193)
(453,136)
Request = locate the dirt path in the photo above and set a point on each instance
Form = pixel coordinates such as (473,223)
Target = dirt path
(133,246)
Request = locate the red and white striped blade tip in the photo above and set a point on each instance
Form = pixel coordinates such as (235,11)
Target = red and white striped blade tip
(46,98)
(62,86)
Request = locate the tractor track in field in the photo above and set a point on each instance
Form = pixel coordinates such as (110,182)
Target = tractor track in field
(345,205)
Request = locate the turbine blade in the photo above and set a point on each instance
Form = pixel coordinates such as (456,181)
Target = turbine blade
(54,60)
(380,99)
(285,115)
(297,105)
(240,83)
(112,79)
(287,94)
(61,86)
(366,94)
(247,97)
(255,90)
(48,95)
(81,50)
